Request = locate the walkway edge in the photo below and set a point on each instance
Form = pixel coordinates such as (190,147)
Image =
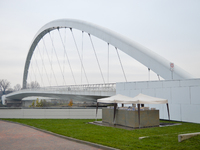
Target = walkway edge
(66,137)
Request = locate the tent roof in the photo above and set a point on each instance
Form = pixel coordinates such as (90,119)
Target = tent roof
(139,99)
(145,99)
(115,99)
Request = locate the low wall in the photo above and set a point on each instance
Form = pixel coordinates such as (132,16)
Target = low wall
(51,113)
(183,96)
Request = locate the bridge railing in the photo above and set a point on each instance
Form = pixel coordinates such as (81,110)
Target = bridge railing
(73,88)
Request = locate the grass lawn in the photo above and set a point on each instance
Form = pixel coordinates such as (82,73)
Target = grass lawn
(159,137)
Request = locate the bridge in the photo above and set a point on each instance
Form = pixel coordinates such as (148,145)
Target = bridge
(178,86)
(148,58)
(88,93)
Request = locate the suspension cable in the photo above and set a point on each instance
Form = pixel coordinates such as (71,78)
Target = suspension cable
(38,69)
(42,57)
(43,64)
(82,56)
(57,57)
(121,64)
(29,78)
(108,65)
(96,58)
(33,70)
(50,62)
(79,56)
(34,66)
(65,53)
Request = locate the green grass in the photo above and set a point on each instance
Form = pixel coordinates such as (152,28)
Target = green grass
(159,137)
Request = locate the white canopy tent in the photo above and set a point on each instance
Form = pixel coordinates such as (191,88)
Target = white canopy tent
(139,99)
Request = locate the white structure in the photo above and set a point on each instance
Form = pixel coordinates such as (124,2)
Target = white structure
(145,56)
(51,113)
(183,97)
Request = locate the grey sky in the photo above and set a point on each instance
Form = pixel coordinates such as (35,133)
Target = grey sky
(168,27)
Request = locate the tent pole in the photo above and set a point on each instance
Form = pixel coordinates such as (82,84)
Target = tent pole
(139,114)
(97,110)
(168,111)
(115,106)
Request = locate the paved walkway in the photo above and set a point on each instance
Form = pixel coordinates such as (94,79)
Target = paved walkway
(18,137)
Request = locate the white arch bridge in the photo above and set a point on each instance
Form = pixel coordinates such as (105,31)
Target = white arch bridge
(90,92)
(151,60)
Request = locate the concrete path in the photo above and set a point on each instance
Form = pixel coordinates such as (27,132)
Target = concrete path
(18,137)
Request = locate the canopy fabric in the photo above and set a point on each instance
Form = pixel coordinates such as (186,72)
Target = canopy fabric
(145,99)
(115,99)
(139,99)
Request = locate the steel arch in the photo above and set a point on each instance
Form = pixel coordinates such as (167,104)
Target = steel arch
(156,63)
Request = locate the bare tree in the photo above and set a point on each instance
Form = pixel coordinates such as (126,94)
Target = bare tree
(4,85)
(34,84)
(10,90)
(17,87)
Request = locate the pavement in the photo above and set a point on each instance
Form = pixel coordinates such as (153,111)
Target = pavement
(19,137)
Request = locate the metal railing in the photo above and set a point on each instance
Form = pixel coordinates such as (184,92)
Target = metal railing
(77,88)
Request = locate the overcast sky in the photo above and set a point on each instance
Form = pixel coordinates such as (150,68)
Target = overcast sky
(170,28)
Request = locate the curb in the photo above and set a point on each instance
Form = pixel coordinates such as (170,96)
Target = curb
(65,137)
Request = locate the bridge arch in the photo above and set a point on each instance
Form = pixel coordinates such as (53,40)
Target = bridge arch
(153,61)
